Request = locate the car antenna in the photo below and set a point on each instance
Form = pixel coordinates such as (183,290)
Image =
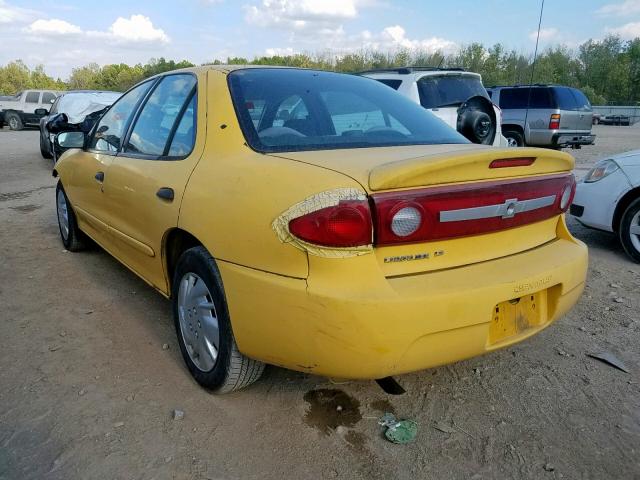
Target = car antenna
(441,61)
(533,69)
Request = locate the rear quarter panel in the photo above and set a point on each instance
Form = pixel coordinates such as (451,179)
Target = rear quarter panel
(234,194)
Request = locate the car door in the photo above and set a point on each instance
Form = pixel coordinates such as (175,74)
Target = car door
(88,179)
(148,177)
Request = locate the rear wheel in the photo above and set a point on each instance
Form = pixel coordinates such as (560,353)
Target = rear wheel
(514,138)
(203,326)
(14,121)
(629,230)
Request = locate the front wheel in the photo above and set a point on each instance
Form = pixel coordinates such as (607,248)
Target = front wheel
(629,230)
(514,138)
(72,238)
(14,121)
(44,151)
(203,326)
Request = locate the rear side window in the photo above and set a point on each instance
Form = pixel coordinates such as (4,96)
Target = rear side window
(581,100)
(185,136)
(565,98)
(518,98)
(108,134)
(154,129)
(48,97)
(449,90)
(32,97)
(395,84)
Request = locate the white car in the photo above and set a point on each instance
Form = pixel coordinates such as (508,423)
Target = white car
(609,199)
(455,96)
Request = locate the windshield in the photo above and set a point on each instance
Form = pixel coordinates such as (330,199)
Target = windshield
(284,110)
(449,90)
(80,104)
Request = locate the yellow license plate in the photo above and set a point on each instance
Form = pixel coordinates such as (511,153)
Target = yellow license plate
(518,315)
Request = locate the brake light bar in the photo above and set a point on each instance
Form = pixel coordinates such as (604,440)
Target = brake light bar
(469,209)
(512,162)
(554,122)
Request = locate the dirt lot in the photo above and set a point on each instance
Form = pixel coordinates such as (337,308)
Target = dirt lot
(87,389)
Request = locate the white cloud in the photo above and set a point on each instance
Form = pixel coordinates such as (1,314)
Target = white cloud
(628,31)
(299,14)
(11,14)
(390,39)
(137,28)
(628,7)
(52,27)
(546,34)
(283,52)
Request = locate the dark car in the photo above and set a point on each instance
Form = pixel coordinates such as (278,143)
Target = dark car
(79,106)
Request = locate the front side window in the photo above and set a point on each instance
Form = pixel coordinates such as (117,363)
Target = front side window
(154,127)
(395,84)
(311,110)
(32,97)
(108,134)
(48,97)
(438,91)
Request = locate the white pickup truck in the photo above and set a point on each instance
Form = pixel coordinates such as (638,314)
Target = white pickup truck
(26,108)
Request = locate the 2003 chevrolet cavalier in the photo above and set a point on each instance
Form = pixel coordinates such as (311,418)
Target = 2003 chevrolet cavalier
(321,222)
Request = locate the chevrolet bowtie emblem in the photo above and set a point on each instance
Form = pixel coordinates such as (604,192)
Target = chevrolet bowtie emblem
(509,209)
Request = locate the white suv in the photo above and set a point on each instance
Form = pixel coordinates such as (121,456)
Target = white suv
(454,95)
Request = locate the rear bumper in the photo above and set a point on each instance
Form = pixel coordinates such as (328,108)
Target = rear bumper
(559,138)
(386,326)
(564,139)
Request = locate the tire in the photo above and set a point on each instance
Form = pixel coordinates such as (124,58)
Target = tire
(629,224)
(514,138)
(200,313)
(44,151)
(72,238)
(14,121)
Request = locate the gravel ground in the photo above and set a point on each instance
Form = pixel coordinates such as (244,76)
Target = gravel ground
(90,375)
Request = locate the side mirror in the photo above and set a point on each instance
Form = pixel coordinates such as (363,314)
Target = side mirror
(59,123)
(41,111)
(66,140)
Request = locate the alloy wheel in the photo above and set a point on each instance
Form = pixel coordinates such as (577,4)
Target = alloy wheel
(198,321)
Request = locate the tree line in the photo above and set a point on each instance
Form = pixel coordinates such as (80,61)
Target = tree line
(607,71)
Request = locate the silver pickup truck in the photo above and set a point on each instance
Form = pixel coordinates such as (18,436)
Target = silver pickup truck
(26,108)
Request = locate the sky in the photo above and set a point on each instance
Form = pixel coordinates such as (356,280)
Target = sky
(65,34)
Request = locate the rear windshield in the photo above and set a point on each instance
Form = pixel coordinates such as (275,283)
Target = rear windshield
(449,90)
(518,98)
(395,84)
(288,110)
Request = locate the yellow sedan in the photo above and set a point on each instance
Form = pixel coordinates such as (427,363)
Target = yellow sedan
(321,222)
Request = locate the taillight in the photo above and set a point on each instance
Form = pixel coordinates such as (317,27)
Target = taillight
(347,224)
(554,122)
(436,213)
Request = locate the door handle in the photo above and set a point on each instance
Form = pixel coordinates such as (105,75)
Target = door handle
(165,193)
(100,177)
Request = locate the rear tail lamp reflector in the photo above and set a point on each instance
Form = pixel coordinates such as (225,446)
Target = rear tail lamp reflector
(347,224)
(554,122)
